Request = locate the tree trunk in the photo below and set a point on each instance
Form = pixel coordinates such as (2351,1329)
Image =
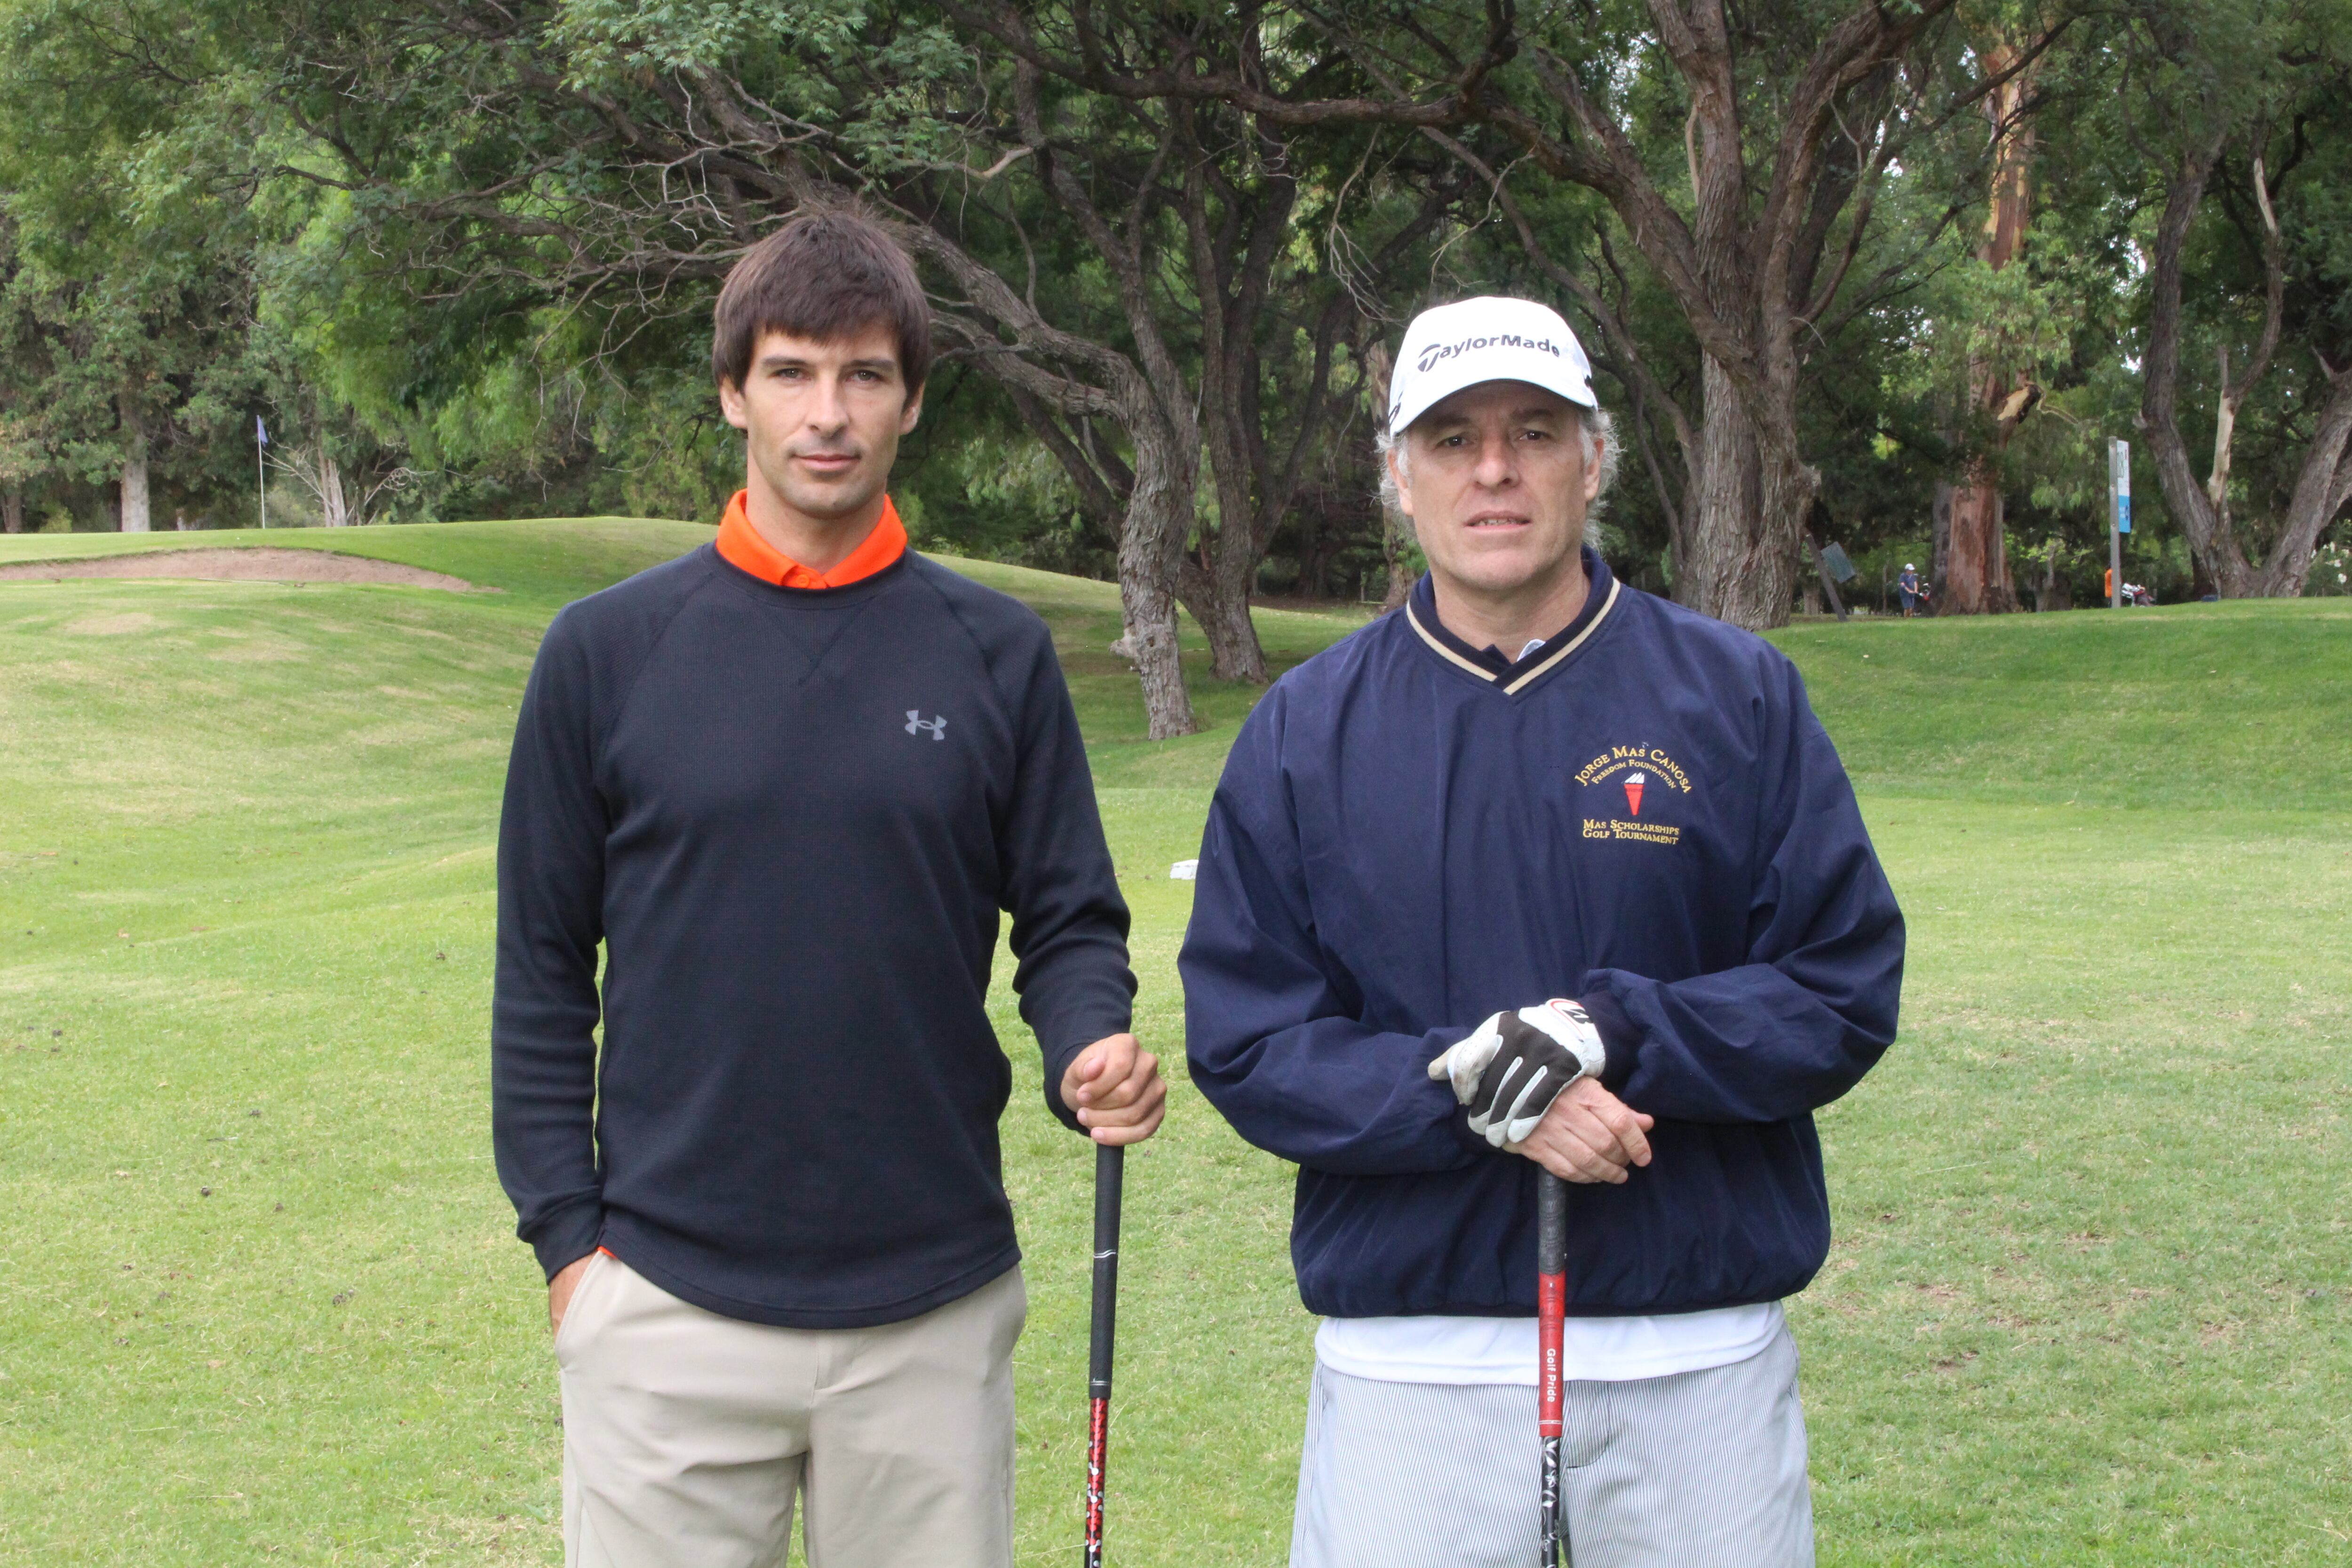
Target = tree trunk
(12,511)
(1770,582)
(1150,549)
(1219,598)
(1963,590)
(1322,530)
(1148,605)
(2322,486)
(334,501)
(1939,547)
(2323,479)
(1745,519)
(2184,497)
(1154,502)
(1724,496)
(135,516)
(2200,580)
(1979,582)
(1218,595)
(135,519)
(1821,584)
(1393,540)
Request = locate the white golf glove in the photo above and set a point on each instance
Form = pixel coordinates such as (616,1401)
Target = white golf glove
(1511,1068)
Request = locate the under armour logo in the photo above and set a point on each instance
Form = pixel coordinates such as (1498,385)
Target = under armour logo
(915,723)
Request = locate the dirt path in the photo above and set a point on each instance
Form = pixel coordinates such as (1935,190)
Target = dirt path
(258,563)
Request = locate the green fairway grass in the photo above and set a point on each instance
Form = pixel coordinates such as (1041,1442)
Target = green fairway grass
(2090,1300)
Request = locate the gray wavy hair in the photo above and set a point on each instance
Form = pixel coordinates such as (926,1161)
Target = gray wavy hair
(1594,429)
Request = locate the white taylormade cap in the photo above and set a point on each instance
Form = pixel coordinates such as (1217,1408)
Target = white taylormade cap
(1488,339)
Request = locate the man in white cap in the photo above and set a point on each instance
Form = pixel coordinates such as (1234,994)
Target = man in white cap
(1907,584)
(1543,871)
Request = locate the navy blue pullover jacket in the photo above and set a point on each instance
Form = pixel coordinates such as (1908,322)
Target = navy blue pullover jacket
(791,818)
(1644,814)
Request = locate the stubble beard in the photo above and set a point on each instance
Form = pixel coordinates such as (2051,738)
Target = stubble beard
(1518,569)
(833,500)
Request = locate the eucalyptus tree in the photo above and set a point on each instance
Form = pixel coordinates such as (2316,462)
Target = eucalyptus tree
(1280,248)
(575,178)
(1744,153)
(1131,276)
(24,366)
(2239,108)
(1972,568)
(1795,121)
(1228,283)
(132,277)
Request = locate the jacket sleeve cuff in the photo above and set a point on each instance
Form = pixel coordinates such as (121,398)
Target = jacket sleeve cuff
(1457,1118)
(1621,1037)
(567,1236)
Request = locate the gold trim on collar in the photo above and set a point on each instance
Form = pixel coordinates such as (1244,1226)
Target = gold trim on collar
(1573,644)
(1483,673)
(1480,671)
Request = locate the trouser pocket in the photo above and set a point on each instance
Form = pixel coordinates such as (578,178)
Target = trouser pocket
(574,1326)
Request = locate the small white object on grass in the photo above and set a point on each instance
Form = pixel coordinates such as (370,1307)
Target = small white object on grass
(1183,871)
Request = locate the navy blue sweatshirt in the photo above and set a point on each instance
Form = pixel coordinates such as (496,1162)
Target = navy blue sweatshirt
(1643,812)
(791,818)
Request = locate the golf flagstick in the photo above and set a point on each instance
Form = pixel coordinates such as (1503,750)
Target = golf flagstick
(1110,1166)
(1551,1302)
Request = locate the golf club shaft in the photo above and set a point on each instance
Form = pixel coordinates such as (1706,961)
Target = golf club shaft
(1551,1302)
(1110,1167)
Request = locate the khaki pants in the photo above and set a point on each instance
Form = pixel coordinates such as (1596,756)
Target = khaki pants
(687,1434)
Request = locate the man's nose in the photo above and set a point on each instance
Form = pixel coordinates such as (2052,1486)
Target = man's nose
(1499,464)
(828,410)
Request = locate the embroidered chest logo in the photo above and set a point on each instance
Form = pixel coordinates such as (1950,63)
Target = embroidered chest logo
(1635,774)
(917,724)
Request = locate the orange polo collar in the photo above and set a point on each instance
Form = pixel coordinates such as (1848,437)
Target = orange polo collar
(744,549)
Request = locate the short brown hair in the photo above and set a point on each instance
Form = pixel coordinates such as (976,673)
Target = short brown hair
(824,276)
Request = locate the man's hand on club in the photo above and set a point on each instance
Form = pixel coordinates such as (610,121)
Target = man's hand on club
(1115,1089)
(1507,1071)
(1588,1135)
(559,1289)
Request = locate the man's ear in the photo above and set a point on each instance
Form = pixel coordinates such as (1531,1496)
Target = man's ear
(1396,471)
(1592,470)
(911,413)
(731,403)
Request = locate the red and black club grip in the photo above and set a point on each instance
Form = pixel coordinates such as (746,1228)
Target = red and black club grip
(1551,1306)
(1110,1168)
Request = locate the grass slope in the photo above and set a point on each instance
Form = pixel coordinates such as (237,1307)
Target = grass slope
(2088,1302)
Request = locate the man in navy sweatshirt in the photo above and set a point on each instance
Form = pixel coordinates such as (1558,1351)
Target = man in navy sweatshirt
(788,782)
(1542,871)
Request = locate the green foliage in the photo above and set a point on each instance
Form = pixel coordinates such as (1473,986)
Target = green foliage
(128,275)
(469,256)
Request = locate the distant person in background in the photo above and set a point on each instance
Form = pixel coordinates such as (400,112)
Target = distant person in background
(787,783)
(1907,585)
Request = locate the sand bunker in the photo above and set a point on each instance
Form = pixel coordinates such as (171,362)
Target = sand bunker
(258,563)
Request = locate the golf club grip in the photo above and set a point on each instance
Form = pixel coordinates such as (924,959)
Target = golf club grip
(1551,1306)
(1551,1292)
(1110,1169)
